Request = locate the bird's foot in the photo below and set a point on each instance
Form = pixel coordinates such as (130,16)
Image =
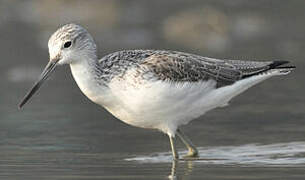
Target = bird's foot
(192,153)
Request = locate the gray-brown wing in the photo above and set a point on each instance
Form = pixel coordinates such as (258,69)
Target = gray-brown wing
(178,67)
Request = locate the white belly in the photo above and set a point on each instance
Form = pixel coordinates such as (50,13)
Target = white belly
(165,106)
(159,105)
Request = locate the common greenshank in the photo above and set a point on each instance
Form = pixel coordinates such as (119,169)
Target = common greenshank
(154,89)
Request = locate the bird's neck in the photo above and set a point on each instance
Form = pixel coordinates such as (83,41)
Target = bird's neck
(87,74)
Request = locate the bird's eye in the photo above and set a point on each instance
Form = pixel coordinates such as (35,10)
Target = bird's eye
(67,44)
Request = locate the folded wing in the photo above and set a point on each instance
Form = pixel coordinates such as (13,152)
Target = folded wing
(181,67)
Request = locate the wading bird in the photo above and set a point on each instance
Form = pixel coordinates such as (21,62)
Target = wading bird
(153,89)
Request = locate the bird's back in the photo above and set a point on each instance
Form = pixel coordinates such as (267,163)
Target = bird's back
(177,67)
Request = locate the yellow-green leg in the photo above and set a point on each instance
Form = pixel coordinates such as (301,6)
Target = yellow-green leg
(173,146)
(192,151)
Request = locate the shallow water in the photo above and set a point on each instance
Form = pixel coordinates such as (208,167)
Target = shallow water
(60,134)
(286,160)
(285,154)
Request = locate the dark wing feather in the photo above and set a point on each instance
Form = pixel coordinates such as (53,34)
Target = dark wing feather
(178,67)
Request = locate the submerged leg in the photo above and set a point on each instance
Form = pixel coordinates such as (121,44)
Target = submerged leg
(173,146)
(192,151)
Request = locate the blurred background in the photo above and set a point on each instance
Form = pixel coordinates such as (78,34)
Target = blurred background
(60,132)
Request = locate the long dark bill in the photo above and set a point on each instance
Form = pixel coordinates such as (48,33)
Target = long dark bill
(44,75)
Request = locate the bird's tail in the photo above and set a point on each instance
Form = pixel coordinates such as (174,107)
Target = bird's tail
(276,68)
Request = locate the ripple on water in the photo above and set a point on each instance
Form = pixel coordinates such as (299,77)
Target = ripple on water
(292,153)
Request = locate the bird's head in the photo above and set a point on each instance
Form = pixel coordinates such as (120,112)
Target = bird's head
(68,45)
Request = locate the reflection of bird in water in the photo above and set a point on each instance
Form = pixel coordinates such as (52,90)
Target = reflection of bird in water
(186,172)
(153,88)
(173,174)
